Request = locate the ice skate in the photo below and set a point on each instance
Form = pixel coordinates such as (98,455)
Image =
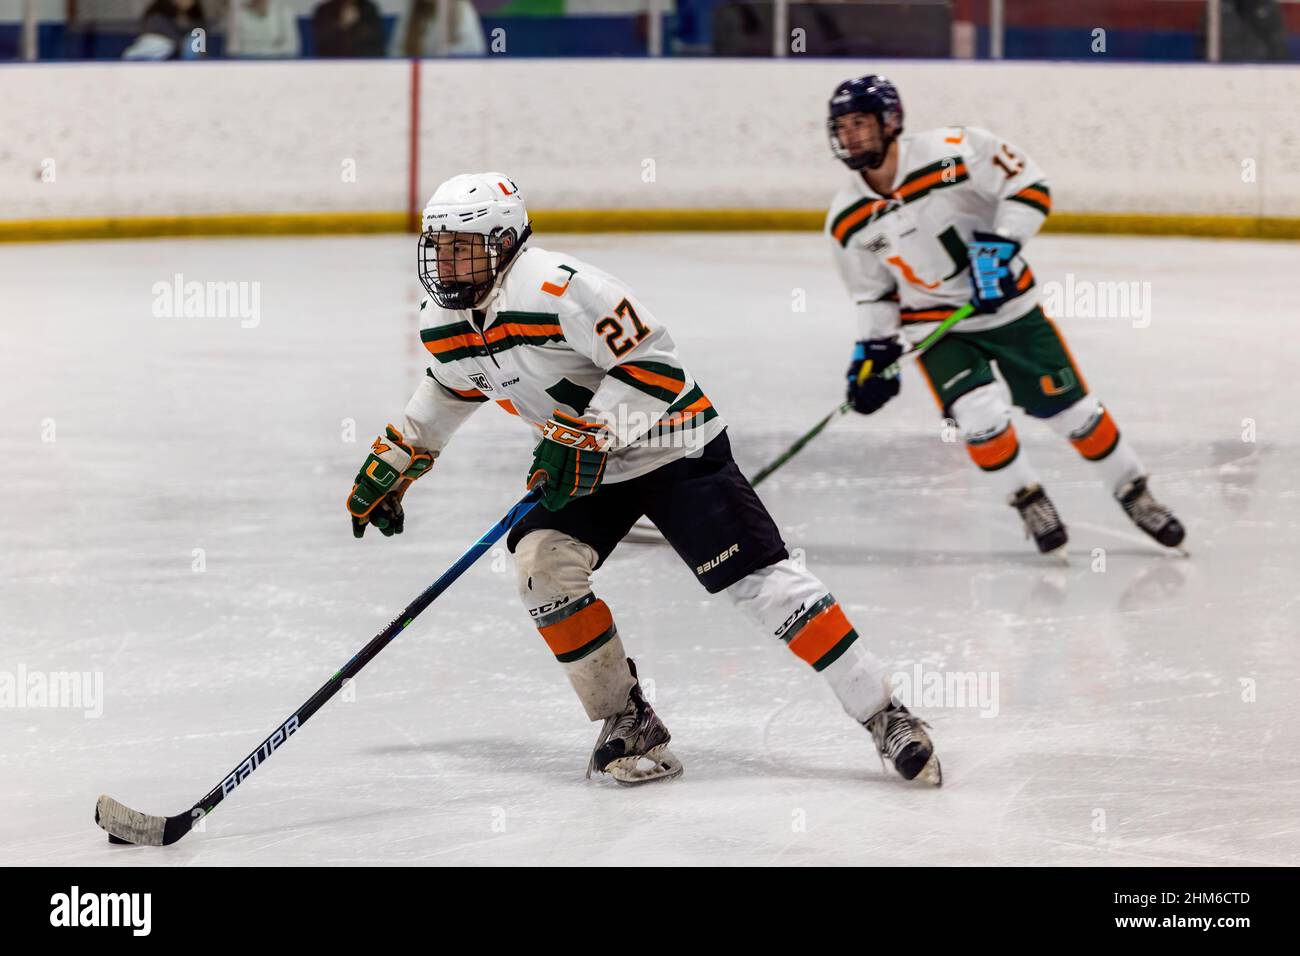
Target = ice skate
(633,744)
(1150,515)
(1042,522)
(901,739)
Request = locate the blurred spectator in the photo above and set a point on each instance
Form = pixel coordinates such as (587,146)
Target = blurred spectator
(348,28)
(422,32)
(167,32)
(1253,30)
(263,28)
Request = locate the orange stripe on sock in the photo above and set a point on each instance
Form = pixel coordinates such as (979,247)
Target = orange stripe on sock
(821,634)
(1098,442)
(579,629)
(995,452)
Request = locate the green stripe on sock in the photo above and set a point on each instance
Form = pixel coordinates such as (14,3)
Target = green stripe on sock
(836,652)
(592,645)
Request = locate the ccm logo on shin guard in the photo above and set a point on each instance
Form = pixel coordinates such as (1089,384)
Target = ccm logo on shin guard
(791,619)
(712,563)
(548,608)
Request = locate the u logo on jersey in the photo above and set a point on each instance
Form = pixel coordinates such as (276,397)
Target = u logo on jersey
(909,273)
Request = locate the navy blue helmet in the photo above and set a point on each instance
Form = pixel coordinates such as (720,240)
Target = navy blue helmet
(871,94)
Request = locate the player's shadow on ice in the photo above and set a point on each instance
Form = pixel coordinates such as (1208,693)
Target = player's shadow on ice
(702,763)
(865,554)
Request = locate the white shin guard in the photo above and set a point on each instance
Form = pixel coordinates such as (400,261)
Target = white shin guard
(554,576)
(1088,426)
(984,419)
(790,603)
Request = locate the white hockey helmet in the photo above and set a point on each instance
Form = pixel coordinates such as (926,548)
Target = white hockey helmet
(456,269)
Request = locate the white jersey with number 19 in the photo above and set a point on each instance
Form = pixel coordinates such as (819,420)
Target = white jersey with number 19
(903,256)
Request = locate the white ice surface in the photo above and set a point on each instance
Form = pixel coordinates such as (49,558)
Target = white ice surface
(1122,733)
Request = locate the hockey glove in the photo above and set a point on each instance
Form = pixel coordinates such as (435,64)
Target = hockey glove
(990,270)
(868,389)
(385,475)
(569,460)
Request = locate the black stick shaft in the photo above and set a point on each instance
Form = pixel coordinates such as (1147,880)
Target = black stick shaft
(181,824)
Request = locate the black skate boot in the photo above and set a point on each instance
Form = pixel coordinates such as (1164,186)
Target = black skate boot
(633,744)
(1040,518)
(900,736)
(1150,515)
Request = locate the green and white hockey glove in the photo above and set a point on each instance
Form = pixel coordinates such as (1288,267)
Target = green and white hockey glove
(569,460)
(385,475)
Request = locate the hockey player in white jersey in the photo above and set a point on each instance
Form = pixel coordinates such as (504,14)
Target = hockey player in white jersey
(929,222)
(623,431)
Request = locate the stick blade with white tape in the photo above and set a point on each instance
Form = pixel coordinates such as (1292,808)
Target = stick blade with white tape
(125,825)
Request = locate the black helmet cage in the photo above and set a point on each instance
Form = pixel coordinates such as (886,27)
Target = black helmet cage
(875,96)
(495,252)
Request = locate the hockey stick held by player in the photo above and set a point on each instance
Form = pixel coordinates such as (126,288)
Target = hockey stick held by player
(569,460)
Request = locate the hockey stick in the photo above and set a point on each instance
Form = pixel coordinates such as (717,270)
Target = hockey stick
(890,372)
(125,825)
(644,532)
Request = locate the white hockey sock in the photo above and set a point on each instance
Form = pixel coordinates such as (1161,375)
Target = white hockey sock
(790,603)
(1093,433)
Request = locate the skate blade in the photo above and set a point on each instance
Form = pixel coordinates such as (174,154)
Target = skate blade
(657,763)
(931,773)
(1060,555)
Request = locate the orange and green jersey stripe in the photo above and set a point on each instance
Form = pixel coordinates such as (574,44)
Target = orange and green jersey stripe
(661,381)
(690,411)
(459,340)
(1024,282)
(1037,196)
(918,184)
